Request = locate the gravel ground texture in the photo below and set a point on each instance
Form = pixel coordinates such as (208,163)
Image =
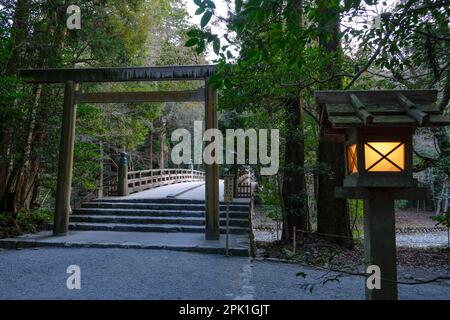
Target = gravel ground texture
(160,274)
(410,229)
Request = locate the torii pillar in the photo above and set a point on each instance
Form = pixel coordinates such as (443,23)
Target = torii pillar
(66,150)
(212,212)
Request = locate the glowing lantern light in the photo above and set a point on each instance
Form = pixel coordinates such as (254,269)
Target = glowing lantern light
(352,159)
(384,156)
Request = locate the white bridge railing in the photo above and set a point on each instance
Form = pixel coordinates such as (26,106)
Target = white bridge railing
(137,181)
(148,179)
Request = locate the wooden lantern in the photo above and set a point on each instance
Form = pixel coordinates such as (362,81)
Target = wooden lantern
(376,128)
(379,157)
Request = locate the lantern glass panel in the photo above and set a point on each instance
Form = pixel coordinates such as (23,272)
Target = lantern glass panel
(352,160)
(384,156)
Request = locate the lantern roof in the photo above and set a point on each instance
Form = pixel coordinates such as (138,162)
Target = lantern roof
(380,108)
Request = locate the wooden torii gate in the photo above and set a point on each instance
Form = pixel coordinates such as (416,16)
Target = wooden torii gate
(72,78)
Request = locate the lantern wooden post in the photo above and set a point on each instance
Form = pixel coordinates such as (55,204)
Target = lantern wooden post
(379,244)
(379,232)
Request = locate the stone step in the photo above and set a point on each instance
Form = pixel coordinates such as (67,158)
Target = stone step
(181,241)
(138,212)
(192,221)
(155,200)
(147,228)
(161,206)
(153,212)
(164,200)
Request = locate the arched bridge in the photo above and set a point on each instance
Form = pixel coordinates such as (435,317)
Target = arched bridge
(168,183)
(138,181)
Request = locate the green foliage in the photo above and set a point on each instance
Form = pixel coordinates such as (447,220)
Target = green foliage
(205,19)
(86,168)
(9,93)
(443,219)
(413,37)
(401,204)
(25,222)
(356,212)
(356,208)
(34,221)
(268,193)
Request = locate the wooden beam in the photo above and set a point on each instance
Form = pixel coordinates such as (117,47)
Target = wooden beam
(387,121)
(335,135)
(412,110)
(375,96)
(360,110)
(162,73)
(346,109)
(129,97)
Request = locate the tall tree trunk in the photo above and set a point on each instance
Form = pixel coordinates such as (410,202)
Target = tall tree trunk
(16,185)
(445,205)
(19,37)
(333,218)
(22,180)
(295,197)
(27,176)
(4,159)
(35,166)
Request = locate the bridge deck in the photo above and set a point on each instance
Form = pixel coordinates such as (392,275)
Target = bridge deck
(185,190)
(172,190)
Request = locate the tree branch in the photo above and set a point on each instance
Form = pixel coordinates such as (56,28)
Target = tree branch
(371,60)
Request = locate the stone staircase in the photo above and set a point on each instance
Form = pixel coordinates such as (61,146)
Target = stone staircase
(155,215)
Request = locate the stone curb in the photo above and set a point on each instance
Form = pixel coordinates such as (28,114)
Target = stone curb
(420,229)
(27,244)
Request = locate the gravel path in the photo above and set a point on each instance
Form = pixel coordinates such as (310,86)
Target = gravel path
(413,240)
(160,274)
(264,229)
(422,239)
